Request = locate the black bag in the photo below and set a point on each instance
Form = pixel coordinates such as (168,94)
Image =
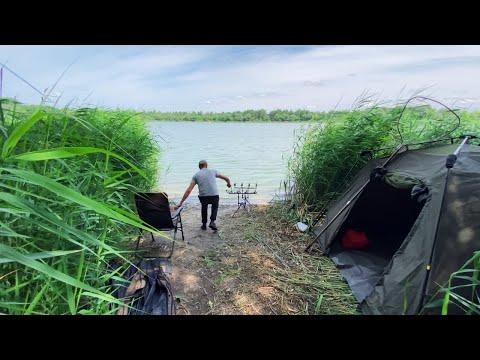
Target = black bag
(149,290)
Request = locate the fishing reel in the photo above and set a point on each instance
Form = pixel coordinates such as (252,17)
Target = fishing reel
(242,192)
(242,189)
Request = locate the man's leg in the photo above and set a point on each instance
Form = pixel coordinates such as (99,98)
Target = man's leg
(204,203)
(215,200)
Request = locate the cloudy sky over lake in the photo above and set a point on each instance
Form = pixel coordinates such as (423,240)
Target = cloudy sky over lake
(231,78)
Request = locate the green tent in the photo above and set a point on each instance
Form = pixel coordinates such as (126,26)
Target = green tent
(421,227)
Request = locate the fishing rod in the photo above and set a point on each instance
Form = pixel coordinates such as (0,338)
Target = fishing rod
(379,170)
(451,139)
(428,99)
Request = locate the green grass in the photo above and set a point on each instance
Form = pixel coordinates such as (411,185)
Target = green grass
(466,278)
(67,179)
(328,153)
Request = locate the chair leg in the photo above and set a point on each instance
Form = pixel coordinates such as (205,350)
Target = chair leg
(153,239)
(171,251)
(173,242)
(181,226)
(138,241)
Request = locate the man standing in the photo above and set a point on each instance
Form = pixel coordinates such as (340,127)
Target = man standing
(207,192)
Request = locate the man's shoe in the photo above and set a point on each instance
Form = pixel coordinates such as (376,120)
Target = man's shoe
(204,227)
(212,225)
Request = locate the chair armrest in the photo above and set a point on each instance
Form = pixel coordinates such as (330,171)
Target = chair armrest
(179,210)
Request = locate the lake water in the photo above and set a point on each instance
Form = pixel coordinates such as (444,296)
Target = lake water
(254,153)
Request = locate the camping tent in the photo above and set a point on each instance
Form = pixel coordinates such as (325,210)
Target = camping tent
(420,225)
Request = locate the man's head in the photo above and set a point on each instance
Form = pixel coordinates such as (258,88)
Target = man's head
(202,164)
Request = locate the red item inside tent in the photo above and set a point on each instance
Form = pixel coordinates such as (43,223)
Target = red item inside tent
(356,240)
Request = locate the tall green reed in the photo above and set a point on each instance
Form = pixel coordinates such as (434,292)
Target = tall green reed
(67,180)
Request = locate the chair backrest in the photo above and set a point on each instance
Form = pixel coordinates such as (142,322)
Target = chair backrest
(154,209)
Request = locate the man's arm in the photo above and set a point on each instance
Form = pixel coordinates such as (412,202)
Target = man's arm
(223,177)
(185,196)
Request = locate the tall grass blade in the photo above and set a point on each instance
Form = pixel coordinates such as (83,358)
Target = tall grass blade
(42,255)
(66,152)
(20,130)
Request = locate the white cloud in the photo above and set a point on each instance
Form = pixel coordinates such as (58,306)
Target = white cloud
(181,77)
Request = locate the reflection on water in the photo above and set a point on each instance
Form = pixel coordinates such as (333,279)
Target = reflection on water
(254,153)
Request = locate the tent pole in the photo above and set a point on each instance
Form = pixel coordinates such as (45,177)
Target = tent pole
(449,164)
(337,215)
(426,142)
(399,147)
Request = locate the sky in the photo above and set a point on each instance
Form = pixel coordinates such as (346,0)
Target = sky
(235,78)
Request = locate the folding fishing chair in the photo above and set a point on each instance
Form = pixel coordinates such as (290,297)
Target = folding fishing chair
(154,209)
(149,290)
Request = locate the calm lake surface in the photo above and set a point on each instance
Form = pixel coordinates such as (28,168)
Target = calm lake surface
(254,153)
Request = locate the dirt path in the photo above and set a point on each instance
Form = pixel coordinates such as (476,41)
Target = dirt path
(254,264)
(194,285)
(195,289)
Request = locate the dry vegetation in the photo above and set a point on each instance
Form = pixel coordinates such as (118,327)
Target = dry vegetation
(262,268)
